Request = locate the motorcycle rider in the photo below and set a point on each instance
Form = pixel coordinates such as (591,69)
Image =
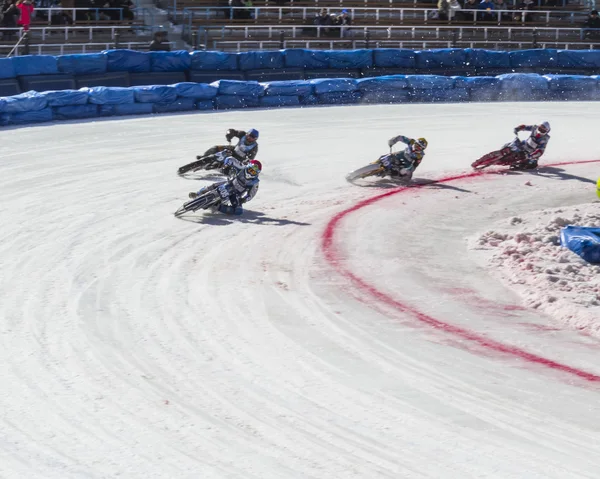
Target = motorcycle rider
(243,186)
(404,163)
(246,148)
(533,147)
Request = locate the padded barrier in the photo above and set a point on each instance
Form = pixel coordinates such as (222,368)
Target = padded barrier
(156,78)
(47,82)
(178,61)
(7,68)
(85,64)
(394,58)
(227,94)
(261,60)
(9,87)
(127,61)
(583,241)
(207,60)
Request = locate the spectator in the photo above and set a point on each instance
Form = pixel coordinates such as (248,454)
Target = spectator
(469,5)
(9,20)
(26,8)
(591,27)
(486,7)
(501,6)
(344,21)
(525,6)
(160,42)
(324,19)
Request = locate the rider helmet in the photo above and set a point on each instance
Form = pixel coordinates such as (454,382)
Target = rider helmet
(253,169)
(252,135)
(542,129)
(420,144)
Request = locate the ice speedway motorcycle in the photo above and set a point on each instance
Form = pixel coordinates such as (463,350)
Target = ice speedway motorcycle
(378,168)
(211,197)
(510,154)
(213,161)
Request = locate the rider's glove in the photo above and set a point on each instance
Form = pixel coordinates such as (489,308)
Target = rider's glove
(391,142)
(229,135)
(518,128)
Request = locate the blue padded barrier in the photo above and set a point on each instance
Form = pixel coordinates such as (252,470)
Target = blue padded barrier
(383,83)
(430,82)
(25,102)
(275,75)
(378,72)
(225,102)
(7,68)
(35,65)
(310,73)
(579,61)
(26,117)
(386,96)
(75,112)
(180,104)
(334,85)
(261,60)
(309,99)
(198,91)
(115,79)
(540,60)
(523,82)
(126,109)
(451,61)
(487,62)
(240,88)
(156,78)
(210,76)
(394,58)
(291,88)
(340,97)
(127,61)
(9,87)
(583,241)
(178,61)
(214,61)
(301,58)
(65,97)
(155,94)
(205,105)
(47,82)
(279,101)
(85,64)
(350,59)
(101,95)
(444,96)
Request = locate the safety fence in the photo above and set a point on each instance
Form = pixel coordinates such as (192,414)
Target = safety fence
(56,91)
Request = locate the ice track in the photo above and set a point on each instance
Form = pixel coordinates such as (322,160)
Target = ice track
(138,345)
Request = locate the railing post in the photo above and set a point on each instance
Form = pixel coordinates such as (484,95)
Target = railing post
(25,43)
(454,38)
(367,39)
(535,35)
(281,39)
(194,41)
(117,38)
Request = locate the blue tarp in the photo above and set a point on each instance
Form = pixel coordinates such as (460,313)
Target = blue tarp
(289,87)
(7,69)
(454,95)
(208,60)
(65,97)
(523,81)
(479,58)
(36,116)
(154,94)
(181,104)
(126,109)
(393,58)
(261,60)
(477,83)
(540,58)
(430,82)
(339,97)
(241,88)
(101,95)
(442,58)
(35,65)
(330,85)
(583,241)
(386,96)
(83,64)
(236,101)
(127,60)
(25,102)
(178,61)
(199,91)
(205,105)
(571,82)
(389,82)
(301,58)
(74,112)
(585,59)
(275,101)
(350,59)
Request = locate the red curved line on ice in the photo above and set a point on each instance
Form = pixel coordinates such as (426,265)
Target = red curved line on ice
(332,255)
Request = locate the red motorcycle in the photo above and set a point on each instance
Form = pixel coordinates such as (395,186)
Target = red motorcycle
(510,154)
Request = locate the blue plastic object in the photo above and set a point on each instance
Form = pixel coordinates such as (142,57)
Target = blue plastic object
(65,97)
(583,241)
(83,64)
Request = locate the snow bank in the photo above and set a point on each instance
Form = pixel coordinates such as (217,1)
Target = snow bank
(526,253)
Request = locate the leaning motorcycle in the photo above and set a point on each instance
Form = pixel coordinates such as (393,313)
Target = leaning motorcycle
(211,198)
(509,154)
(208,162)
(377,168)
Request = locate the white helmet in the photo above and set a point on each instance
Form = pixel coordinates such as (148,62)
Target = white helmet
(543,129)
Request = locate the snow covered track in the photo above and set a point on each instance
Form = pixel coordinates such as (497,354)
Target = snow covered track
(138,345)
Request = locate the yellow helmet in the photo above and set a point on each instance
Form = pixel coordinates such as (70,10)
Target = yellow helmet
(422,143)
